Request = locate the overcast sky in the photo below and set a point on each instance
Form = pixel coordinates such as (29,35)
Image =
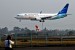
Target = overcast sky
(10,8)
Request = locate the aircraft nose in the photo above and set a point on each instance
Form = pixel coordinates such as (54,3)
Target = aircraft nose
(18,15)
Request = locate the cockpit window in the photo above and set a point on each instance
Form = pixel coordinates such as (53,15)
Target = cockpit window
(18,15)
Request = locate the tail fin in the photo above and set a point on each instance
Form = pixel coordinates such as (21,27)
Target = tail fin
(64,10)
(37,28)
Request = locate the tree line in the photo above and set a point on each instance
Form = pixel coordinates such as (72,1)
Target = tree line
(25,30)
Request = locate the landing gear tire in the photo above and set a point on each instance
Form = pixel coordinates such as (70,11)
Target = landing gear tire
(42,21)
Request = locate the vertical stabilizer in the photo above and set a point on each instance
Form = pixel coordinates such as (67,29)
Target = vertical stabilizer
(64,10)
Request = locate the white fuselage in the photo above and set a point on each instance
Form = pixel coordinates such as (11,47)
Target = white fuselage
(35,16)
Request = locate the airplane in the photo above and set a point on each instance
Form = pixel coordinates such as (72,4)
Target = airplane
(43,16)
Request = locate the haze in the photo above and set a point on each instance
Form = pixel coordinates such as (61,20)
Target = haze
(10,8)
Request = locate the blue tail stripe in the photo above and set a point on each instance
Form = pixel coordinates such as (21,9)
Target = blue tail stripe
(64,10)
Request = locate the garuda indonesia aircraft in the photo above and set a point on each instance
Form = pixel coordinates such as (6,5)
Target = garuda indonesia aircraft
(43,16)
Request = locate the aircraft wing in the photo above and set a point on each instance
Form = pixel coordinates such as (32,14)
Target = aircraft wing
(46,17)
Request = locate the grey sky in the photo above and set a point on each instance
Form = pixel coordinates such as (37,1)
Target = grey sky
(10,8)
